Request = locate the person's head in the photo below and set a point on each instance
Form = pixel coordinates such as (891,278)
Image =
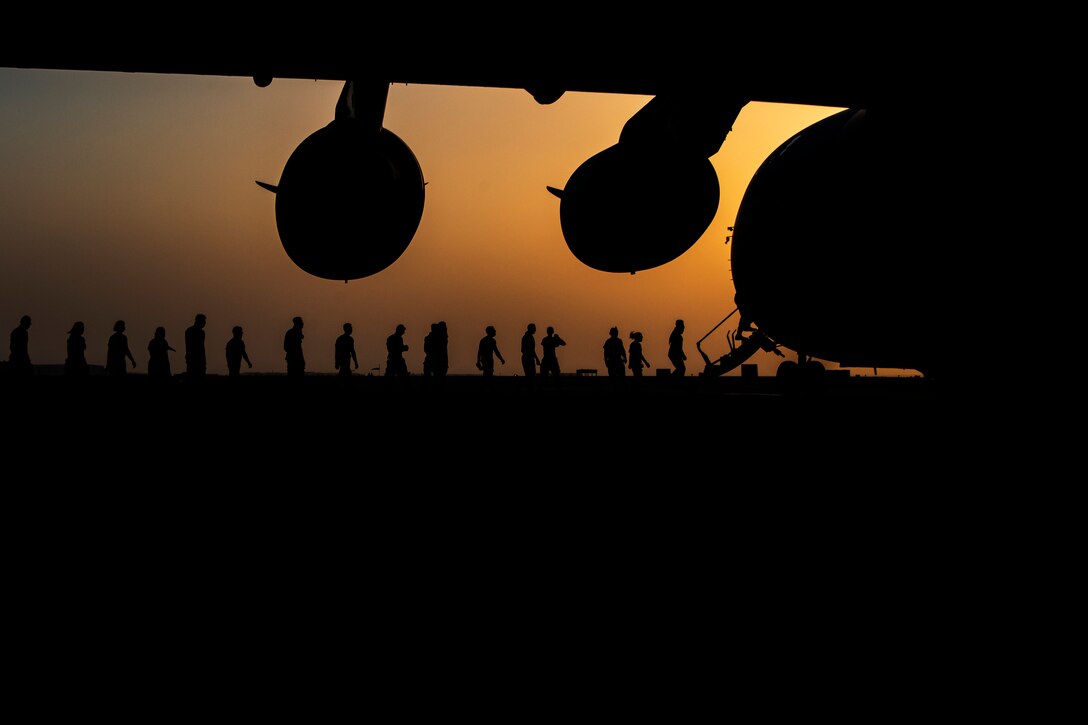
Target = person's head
(297,322)
(401,329)
(160,333)
(24,322)
(119,326)
(236,331)
(347,328)
(551,330)
(680,324)
(200,321)
(490,331)
(531,328)
(614,332)
(77,329)
(435,327)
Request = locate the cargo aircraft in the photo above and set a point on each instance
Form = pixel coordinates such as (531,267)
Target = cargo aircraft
(828,254)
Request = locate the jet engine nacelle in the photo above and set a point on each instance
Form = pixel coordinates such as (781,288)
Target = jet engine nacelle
(633,208)
(648,199)
(349,200)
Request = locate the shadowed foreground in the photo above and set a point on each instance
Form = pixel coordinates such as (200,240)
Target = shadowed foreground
(265,424)
(260,459)
(639,529)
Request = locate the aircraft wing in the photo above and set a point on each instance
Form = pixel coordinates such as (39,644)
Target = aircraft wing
(816,72)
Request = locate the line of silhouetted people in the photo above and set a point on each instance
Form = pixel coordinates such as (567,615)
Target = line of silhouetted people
(617,358)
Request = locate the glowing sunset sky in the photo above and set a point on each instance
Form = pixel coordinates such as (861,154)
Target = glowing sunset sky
(132,197)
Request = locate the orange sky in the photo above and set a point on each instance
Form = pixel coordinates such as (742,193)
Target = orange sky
(132,197)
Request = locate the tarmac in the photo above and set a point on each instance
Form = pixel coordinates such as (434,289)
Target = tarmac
(504,418)
(690,493)
(392,396)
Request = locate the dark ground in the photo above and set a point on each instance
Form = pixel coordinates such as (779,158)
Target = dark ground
(260,448)
(689,429)
(526,545)
(379,464)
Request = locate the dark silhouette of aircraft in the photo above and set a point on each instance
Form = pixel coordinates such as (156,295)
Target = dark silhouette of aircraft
(825,253)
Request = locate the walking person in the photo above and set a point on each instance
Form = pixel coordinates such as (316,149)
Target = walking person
(117,351)
(549,365)
(529,358)
(19,349)
(75,364)
(158,356)
(344,354)
(196,360)
(436,360)
(236,353)
(615,357)
(486,353)
(676,350)
(292,348)
(395,364)
(635,359)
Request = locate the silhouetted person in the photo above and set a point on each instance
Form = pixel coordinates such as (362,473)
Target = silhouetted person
(635,359)
(19,356)
(292,346)
(436,361)
(487,352)
(615,357)
(395,366)
(117,350)
(236,353)
(549,364)
(529,358)
(676,350)
(196,360)
(344,354)
(158,362)
(75,364)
